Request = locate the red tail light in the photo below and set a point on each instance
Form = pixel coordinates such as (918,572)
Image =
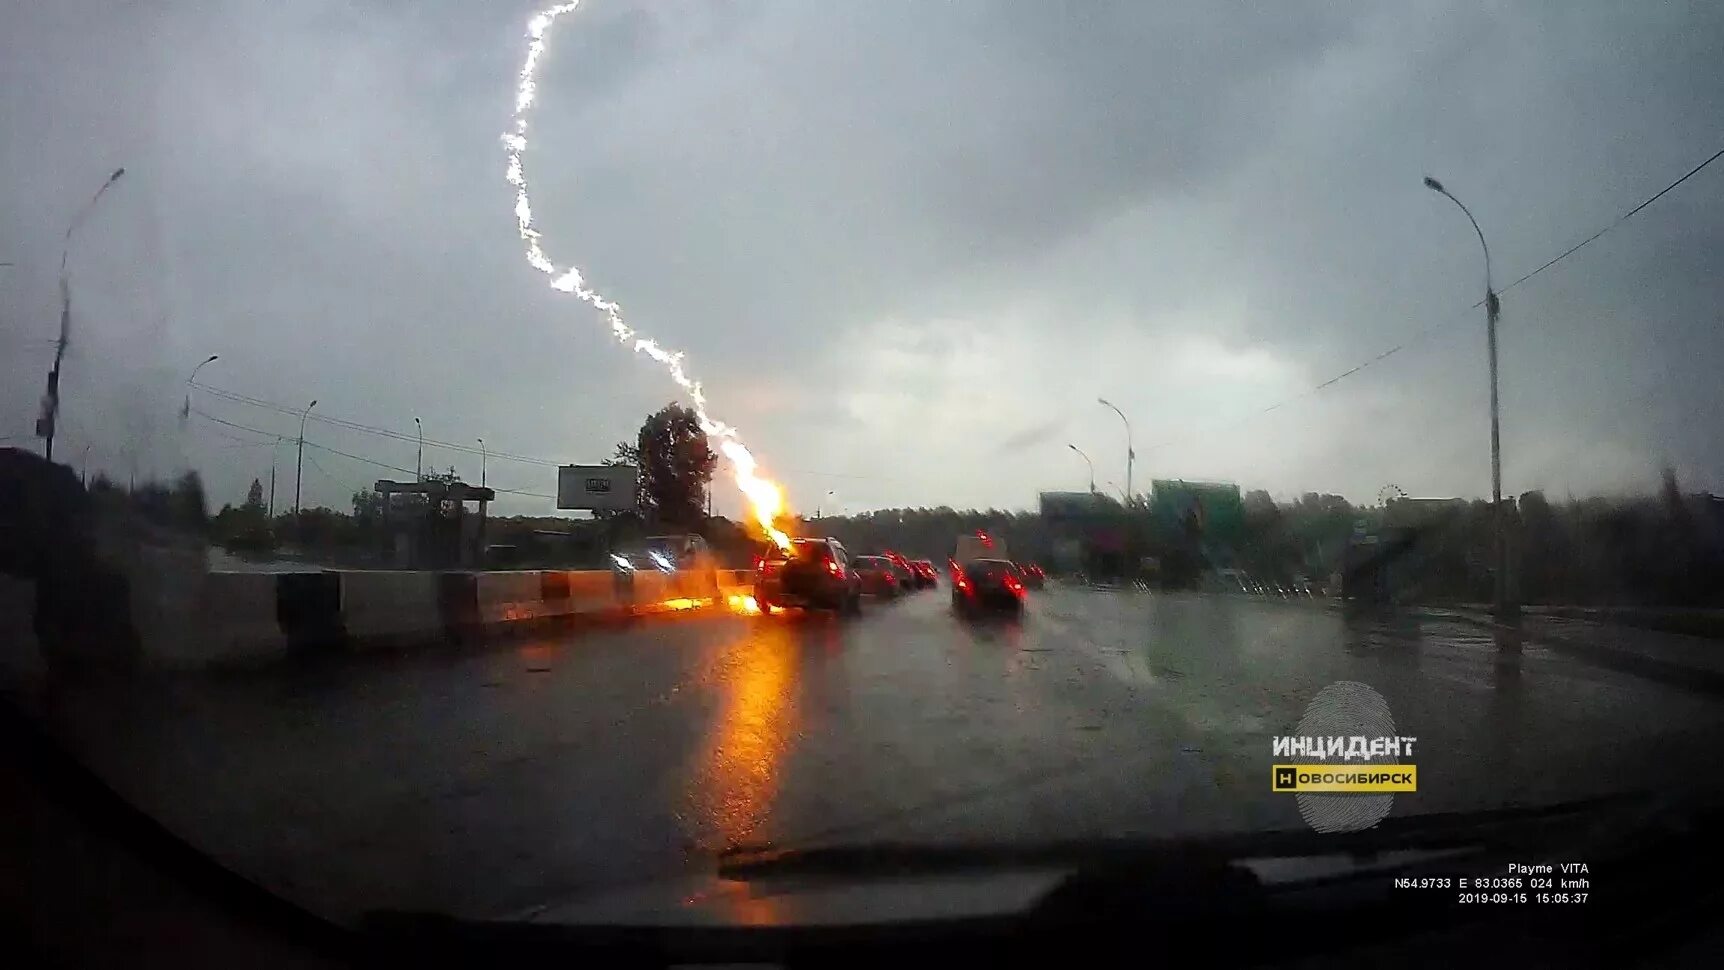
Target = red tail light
(835,569)
(1013,584)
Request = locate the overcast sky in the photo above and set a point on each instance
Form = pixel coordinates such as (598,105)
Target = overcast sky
(904,245)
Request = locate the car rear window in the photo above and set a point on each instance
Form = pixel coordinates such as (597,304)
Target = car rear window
(870,562)
(987,567)
(802,550)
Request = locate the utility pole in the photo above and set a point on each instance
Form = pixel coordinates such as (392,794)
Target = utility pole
(299,468)
(1130,454)
(419,462)
(1086,461)
(1499,552)
(51,398)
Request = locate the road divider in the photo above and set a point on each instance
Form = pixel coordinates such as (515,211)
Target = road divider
(255,619)
(381,609)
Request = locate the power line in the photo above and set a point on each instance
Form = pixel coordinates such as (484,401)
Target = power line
(402,436)
(409,471)
(360,458)
(412,438)
(1619,221)
(1427,330)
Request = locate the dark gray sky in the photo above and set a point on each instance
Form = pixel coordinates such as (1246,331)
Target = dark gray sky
(904,245)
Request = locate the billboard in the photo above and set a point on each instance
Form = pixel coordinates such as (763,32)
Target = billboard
(1213,508)
(601,488)
(1066,506)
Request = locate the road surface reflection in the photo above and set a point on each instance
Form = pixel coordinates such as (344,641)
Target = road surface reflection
(737,775)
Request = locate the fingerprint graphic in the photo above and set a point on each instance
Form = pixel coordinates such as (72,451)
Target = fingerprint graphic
(1346,709)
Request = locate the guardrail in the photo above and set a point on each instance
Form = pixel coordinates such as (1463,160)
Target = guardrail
(225,619)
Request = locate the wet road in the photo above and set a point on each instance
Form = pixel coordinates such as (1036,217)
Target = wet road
(485,782)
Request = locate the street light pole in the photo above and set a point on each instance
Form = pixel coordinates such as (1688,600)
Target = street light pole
(1130,455)
(1086,461)
(1499,551)
(274,452)
(186,408)
(482,460)
(51,399)
(419,462)
(299,466)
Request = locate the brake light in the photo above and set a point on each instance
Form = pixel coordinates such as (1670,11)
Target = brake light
(835,569)
(1013,584)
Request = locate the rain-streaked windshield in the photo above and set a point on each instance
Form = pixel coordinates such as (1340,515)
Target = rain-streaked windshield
(463,458)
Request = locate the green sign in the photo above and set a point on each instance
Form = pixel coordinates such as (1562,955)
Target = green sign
(1214,508)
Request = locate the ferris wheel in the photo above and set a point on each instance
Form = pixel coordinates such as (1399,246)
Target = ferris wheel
(1390,493)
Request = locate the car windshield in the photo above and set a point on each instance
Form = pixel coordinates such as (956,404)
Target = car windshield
(436,434)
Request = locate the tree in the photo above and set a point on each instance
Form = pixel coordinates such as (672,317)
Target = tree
(676,466)
(254,496)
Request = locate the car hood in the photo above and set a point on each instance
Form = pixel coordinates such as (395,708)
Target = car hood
(886,883)
(712,900)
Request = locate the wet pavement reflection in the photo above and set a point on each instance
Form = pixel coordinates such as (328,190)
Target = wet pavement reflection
(477,783)
(737,773)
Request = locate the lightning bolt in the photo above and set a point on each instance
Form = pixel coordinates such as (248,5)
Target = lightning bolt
(765,498)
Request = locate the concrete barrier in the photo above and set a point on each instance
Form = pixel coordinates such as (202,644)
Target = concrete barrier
(237,623)
(593,592)
(308,607)
(388,608)
(242,619)
(20,652)
(512,597)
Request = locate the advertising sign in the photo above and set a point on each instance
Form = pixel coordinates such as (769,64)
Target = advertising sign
(600,488)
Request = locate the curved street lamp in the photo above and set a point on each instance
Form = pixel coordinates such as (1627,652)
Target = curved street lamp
(51,400)
(1492,307)
(299,465)
(186,408)
(1130,455)
(419,462)
(1086,461)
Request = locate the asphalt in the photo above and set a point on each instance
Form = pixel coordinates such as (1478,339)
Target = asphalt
(483,782)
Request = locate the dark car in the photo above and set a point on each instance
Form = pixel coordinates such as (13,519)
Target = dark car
(1032,575)
(906,573)
(927,576)
(906,577)
(877,576)
(986,584)
(686,558)
(811,573)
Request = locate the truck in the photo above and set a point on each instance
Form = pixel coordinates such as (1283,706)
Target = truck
(980,546)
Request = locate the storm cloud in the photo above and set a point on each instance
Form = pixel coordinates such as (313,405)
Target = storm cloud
(905,245)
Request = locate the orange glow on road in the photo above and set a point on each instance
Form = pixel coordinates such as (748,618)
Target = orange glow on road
(737,776)
(742,603)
